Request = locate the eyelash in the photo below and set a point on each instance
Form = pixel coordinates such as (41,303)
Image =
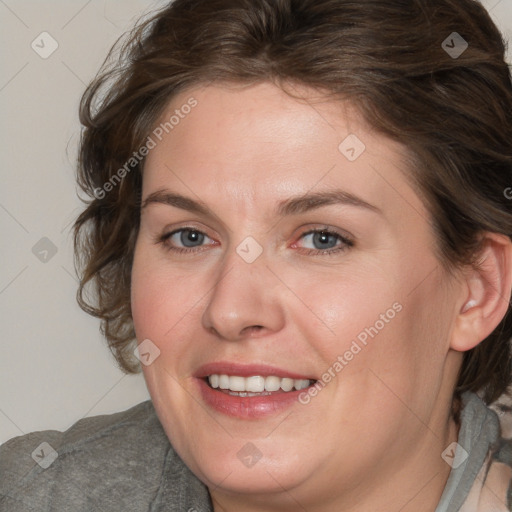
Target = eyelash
(346,242)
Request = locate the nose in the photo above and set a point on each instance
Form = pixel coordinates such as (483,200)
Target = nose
(246,300)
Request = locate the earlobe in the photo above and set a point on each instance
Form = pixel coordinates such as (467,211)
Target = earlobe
(488,290)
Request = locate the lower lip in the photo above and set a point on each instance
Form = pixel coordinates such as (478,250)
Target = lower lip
(248,407)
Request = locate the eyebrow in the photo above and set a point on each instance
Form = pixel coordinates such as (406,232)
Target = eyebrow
(292,206)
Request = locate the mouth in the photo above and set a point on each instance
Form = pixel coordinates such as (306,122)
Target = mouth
(255,385)
(250,391)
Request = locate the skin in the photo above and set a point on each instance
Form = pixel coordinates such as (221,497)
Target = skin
(373,436)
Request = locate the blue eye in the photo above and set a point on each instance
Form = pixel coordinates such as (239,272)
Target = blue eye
(325,242)
(191,239)
(322,239)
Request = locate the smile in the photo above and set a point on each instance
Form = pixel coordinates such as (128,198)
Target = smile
(250,391)
(256,385)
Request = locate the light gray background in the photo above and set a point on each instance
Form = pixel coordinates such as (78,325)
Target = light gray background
(55,367)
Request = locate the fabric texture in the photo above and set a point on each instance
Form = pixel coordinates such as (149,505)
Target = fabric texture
(121,463)
(124,462)
(481,476)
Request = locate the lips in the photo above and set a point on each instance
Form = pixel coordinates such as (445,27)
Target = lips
(249,391)
(248,370)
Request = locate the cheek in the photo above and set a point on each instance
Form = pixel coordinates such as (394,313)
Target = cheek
(147,297)
(167,303)
(406,358)
(346,306)
(389,324)
(157,299)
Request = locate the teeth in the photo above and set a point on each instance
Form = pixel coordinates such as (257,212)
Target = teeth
(301,384)
(287,384)
(214,381)
(272,383)
(254,384)
(223,381)
(249,386)
(237,383)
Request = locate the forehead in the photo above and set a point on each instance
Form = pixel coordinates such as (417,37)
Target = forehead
(258,144)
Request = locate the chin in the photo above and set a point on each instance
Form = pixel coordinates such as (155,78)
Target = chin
(264,477)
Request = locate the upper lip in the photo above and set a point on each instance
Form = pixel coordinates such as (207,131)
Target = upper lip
(246,370)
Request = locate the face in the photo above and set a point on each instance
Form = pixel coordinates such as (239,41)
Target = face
(277,252)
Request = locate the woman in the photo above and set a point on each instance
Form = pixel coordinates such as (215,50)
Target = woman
(298,212)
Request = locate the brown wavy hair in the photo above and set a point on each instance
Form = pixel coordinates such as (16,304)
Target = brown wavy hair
(390,58)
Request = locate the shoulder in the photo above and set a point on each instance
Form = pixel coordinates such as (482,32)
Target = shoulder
(94,433)
(117,458)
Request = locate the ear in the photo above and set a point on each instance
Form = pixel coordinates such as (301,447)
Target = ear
(486,294)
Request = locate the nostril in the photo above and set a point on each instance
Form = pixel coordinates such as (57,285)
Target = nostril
(254,328)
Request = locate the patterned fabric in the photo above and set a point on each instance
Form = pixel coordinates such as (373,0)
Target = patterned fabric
(492,490)
(497,473)
(481,481)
